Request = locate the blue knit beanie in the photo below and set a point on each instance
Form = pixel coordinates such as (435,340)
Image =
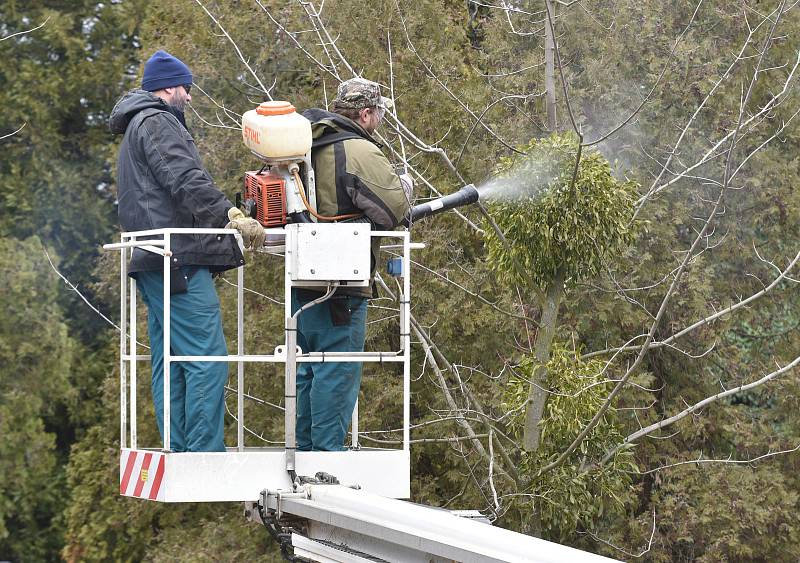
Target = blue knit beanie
(162,70)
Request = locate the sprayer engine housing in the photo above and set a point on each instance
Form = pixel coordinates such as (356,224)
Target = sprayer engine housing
(281,192)
(265,197)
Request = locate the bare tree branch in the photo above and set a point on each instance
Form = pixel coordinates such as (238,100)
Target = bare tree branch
(707,320)
(701,235)
(264,89)
(444,87)
(655,84)
(14,133)
(621,550)
(661,424)
(561,69)
(737,59)
(41,25)
(728,460)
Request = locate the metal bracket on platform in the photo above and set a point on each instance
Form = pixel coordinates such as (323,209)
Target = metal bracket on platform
(279,495)
(281,529)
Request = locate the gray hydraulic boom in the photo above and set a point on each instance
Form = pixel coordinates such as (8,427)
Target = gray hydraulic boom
(323,522)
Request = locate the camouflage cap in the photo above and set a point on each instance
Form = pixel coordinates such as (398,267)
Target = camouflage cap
(358,93)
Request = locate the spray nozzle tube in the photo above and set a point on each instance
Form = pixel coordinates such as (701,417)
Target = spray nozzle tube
(466,195)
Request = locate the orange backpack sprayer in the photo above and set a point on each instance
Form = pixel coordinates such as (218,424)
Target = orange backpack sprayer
(282,191)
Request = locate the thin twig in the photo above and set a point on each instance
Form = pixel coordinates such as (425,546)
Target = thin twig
(14,133)
(655,84)
(47,19)
(264,89)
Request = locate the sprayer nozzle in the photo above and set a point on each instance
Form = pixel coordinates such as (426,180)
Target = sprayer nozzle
(466,195)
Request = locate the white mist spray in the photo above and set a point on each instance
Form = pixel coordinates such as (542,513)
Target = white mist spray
(525,181)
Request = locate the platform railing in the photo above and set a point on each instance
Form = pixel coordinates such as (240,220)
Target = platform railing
(128,338)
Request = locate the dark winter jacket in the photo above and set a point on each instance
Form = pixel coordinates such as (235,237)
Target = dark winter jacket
(352,175)
(161,183)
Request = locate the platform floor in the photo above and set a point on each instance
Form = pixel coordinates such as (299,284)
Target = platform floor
(241,476)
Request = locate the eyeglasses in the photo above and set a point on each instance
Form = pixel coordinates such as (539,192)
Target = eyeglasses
(187,87)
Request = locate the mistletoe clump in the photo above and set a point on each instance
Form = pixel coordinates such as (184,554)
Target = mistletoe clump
(553,225)
(581,491)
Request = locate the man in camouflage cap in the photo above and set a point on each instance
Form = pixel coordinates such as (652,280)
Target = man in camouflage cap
(360,101)
(358,93)
(354,182)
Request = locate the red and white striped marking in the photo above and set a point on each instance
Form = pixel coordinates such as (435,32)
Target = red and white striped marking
(141,474)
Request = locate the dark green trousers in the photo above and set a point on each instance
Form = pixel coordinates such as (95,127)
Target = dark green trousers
(327,392)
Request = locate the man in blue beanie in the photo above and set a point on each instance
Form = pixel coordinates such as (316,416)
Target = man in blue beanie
(162,183)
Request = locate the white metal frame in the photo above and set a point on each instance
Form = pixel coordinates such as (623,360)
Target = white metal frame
(281,354)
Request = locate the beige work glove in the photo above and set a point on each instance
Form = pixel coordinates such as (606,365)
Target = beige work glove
(252,232)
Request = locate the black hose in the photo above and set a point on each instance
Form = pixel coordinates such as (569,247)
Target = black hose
(281,535)
(465,196)
(300,217)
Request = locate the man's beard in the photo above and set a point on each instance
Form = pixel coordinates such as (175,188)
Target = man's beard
(179,103)
(178,112)
(370,128)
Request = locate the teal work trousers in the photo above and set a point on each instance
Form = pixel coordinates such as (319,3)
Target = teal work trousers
(196,388)
(327,391)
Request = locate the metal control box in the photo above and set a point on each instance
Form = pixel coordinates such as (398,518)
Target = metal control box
(325,252)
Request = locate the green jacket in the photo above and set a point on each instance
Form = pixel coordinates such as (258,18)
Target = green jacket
(353,176)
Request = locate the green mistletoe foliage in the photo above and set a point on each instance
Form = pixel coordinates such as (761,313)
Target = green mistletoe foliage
(550,222)
(581,492)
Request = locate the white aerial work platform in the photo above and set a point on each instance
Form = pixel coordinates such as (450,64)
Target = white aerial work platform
(316,255)
(354,517)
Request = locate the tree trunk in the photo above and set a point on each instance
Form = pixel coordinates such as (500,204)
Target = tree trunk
(550,72)
(537,393)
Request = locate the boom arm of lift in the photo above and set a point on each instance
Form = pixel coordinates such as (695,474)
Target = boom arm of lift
(331,522)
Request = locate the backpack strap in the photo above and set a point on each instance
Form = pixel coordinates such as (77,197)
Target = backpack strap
(326,140)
